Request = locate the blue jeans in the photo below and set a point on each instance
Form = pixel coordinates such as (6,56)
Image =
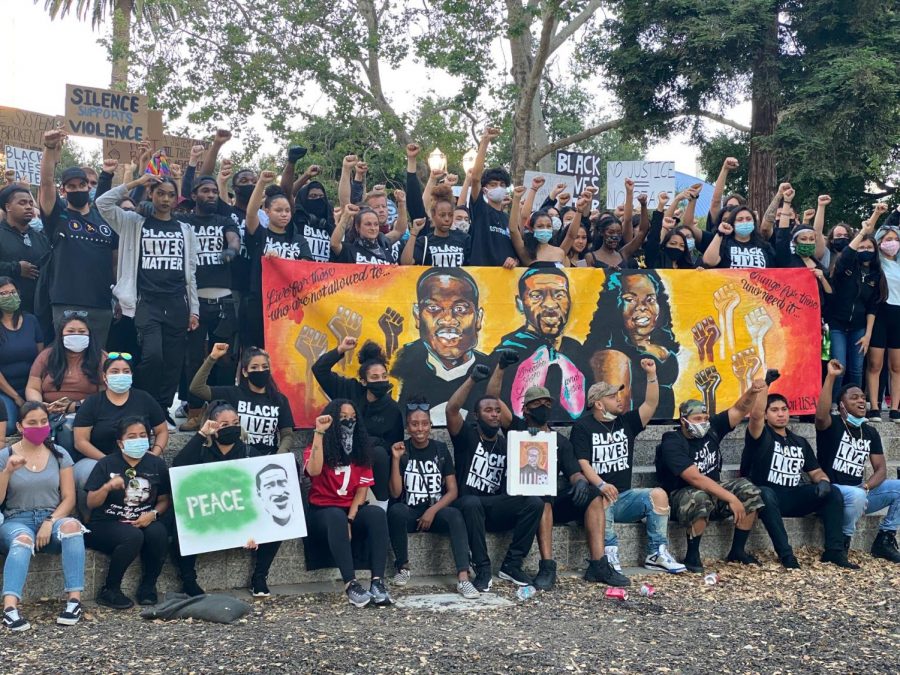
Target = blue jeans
(12,413)
(633,506)
(845,350)
(18,557)
(886,495)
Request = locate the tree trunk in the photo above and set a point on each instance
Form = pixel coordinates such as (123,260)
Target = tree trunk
(766,92)
(121,44)
(520,50)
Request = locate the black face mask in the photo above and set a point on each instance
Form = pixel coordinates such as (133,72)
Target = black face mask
(539,415)
(866,256)
(78,199)
(228,435)
(839,245)
(487,430)
(243,192)
(673,253)
(206,208)
(317,208)
(379,389)
(259,378)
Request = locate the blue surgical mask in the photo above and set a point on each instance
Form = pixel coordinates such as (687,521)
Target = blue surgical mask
(36,224)
(543,236)
(744,229)
(93,193)
(119,382)
(136,447)
(855,421)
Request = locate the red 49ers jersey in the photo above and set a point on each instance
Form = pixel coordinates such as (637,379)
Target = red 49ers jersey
(337,487)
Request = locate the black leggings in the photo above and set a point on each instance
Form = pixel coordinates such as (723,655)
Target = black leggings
(187,564)
(402,521)
(123,543)
(330,523)
(498,513)
(381,471)
(802,501)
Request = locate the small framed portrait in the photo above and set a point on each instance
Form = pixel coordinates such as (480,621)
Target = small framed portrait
(531,463)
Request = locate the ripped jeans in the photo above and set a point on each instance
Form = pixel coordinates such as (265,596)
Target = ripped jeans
(18,553)
(633,506)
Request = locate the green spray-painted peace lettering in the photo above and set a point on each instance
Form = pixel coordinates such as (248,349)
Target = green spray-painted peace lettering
(216,500)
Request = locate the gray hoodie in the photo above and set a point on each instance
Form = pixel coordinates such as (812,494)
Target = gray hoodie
(129,226)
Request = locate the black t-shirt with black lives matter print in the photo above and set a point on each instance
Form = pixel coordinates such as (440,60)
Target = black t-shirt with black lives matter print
(608,446)
(738,255)
(151,479)
(777,461)
(480,465)
(381,253)
(161,265)
(677,453)
(843,450)
(261,416)
(423,471)
(211,232)
(450,251)
(290,245)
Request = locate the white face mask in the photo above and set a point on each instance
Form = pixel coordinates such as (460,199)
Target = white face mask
(496,194)
(557,223)
(76,343)
(462,226)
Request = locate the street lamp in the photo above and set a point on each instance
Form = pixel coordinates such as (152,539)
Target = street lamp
(468,160)
(437,160)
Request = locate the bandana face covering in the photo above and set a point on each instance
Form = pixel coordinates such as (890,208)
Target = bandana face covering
(347,427)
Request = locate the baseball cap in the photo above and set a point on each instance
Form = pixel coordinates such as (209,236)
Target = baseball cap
(73,173)
(691,407)
(600,389)
(201,180)
(7,193)
(535,393)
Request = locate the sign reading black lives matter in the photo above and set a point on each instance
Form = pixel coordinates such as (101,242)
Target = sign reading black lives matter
(585,167)
(106,114)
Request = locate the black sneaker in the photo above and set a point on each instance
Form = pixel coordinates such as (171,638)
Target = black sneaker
(694,565)
(515,574)
(743,558)
(546,576)
(259,588)
(379,593)
(115,599)
(357,595)
(847,542)
(191,588)
(885,546)
(71,614)
(600,571)
(146,595)
(483,579)
(14,621)
(839,558)
(895,416)
(790,562)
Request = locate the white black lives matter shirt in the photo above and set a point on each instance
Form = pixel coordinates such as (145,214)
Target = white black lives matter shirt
(608,446)
(777,461)
(211,233)
(737,255)
(424,472)
(161,265)
(480,464)
(450,251)
(261,416)
(676,453)
(844,450)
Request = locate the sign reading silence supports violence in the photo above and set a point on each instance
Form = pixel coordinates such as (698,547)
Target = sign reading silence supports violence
(223,505)
(103,113)
(711,332)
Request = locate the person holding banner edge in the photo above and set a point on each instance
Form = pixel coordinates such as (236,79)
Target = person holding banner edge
(220,440)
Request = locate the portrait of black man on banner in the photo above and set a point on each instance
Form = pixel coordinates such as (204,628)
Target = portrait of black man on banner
(633,320)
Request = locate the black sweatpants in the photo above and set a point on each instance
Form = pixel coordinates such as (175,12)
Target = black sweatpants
(123,542)
(381,472)
(162,325)
(218,323)
(802,501)
(402,521)
(497,513)
(330,523)
(187,564)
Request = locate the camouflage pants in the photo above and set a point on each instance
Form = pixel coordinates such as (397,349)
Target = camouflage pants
(690,504)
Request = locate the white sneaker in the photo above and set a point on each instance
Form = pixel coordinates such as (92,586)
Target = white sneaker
(467,590)
(612,555)
(401,578)
(663,560)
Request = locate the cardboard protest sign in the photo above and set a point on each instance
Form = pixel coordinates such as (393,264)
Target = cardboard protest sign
(649,177)
(25,129)
(531,463)
(711,333)
(587,169)
(551,181)
(106,114)
(25,162)
(222,505)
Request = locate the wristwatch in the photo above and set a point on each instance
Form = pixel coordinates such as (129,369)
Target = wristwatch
(155,514)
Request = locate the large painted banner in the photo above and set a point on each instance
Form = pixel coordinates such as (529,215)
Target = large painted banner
(711,332)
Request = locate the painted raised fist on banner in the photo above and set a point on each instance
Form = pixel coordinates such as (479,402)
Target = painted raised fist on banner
(707,381)
(346,323)
(391,324)
(706,333)
(746,365)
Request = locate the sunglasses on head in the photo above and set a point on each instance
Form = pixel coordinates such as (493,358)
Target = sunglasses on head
(418,406)
(112,356)
(76,313)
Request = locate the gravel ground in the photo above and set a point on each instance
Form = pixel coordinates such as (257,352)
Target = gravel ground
(764,620)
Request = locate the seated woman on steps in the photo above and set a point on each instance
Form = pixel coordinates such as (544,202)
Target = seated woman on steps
(221,439)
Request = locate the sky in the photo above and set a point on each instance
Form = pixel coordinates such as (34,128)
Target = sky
(43,56)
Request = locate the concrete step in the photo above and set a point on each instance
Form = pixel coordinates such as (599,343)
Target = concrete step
(429,556)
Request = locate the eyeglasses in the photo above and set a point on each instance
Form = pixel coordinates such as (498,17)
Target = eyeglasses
(8,294)
(76,313)
(418,406)
(112,356)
